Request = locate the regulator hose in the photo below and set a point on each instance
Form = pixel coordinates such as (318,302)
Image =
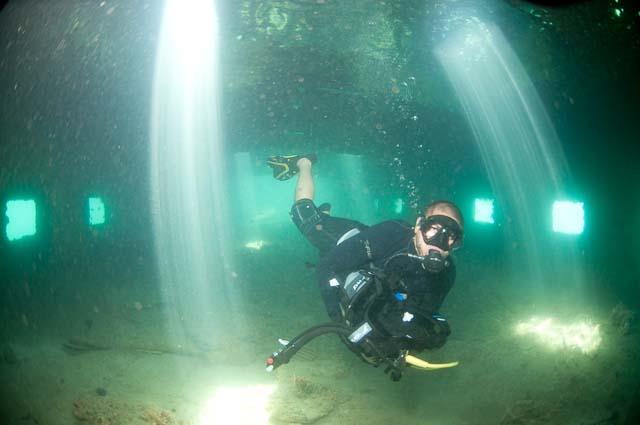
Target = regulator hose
(289,349)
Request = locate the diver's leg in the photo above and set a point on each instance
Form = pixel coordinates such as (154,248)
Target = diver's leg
(315,223)
(304,213)
(304,187)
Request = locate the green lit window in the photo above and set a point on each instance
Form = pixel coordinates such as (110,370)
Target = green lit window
(96,211)
(21,216)
(398,206)
(568,217)
(483,211)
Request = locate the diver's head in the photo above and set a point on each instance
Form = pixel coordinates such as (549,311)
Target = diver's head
(439,231)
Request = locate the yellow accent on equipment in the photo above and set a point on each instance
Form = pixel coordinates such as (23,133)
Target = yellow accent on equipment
(281,174)
(425,365)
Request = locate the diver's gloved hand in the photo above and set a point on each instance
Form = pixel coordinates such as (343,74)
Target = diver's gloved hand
(433,333)
(413,330)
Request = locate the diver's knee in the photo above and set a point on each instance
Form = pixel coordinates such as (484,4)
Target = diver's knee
(305,215)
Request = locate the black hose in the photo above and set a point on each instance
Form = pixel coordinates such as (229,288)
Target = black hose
(284,355)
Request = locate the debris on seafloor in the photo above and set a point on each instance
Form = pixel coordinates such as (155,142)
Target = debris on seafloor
(301,401)
(77,346)
(95,410)
(621,318)
(155,416)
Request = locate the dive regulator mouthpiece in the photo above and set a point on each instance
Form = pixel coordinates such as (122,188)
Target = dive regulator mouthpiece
(434,262)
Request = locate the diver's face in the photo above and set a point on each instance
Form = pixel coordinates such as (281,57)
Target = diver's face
(422,236)
(431,232)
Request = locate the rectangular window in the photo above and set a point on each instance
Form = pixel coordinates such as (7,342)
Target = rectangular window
(568,217)
(21,216)
(96,211)
(483,211)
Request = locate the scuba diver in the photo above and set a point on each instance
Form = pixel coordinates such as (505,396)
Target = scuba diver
(382,285)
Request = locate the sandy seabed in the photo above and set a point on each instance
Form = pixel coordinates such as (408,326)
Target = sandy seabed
(103,356)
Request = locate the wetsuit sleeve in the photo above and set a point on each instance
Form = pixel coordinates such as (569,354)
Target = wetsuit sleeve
(426,329)
(435,292)
(432,331)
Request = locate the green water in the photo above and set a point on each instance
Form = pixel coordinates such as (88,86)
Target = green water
(160,265)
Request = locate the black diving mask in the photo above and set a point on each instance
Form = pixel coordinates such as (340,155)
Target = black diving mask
(442,232)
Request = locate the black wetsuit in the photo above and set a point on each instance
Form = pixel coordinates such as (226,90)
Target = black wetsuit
(412,317)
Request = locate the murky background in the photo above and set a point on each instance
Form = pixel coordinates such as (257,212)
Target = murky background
(148,264)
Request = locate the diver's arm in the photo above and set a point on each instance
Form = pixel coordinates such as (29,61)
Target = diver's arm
(428,329)
(416,324)
(436,291)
